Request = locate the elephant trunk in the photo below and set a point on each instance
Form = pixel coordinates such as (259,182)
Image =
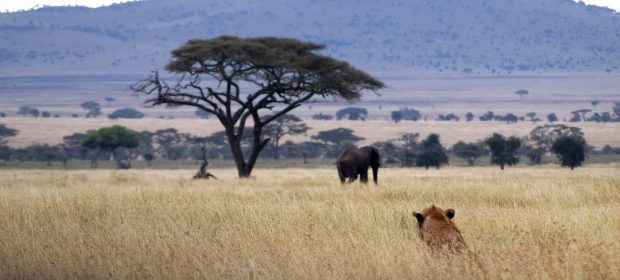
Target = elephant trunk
(375,163)
(375,174)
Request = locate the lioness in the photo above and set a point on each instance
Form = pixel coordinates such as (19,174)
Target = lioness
(438,231)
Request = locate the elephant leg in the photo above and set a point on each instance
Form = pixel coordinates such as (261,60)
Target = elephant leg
(352,177)
(364,177)
(342,176)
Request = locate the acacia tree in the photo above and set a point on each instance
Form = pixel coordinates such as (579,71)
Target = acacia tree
(469,151)
(336,136)
(431,152)
(570,150)
(503,150)
(541,139)
(616,109)
(110,139)
(552,117)
(6,132)
(282,126)
(522,92)
(93,108)
(280,73)
(109,99)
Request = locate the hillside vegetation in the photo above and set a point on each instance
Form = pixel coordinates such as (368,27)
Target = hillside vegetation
(465,37)
(301,224)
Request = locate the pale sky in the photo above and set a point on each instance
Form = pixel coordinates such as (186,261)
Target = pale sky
(13,5)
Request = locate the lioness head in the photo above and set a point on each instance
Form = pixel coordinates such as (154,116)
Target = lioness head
(437,230)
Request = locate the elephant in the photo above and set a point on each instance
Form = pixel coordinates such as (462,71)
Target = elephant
(353,161)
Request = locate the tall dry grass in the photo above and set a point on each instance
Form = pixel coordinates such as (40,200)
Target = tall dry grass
(298,224)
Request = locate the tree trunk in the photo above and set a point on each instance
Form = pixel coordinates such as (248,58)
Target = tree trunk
(119,161)
(244,168)
(235,148)
(257,146)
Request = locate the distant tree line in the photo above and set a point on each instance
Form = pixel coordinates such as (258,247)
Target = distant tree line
(122,146)
(93,110)
(411,114)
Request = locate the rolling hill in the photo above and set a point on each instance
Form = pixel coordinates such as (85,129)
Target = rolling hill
(475,37)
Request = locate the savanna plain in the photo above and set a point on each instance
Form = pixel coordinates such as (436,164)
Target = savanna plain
(524,222)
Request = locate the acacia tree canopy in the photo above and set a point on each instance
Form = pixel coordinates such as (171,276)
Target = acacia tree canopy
(282,126)
(570,150)
(110,139)
(503,150)
(237,79)
(6,132)
(431,153)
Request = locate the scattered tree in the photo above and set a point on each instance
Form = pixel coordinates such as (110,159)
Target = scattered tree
(282,126)
(469,116)
(110,99)
(616,110)
(6,132)
(532,116)
(405,114)
(93,109)
(503,150)
(336,136)
(570,150)
(542,138)
(28,110)
(431,152)
(126,113)
(488,116)
(110,139)
(24,110)
(607,149)
(552,117)
(509,118)
(448,117)
(352,114)
(521,93)
(286,72)
(322,117)
(469,151)
(580,115)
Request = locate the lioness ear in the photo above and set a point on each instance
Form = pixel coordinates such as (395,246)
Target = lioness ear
(419,217)
(450,213)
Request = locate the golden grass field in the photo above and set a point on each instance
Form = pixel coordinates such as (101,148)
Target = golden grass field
(523,223)
(51,130)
